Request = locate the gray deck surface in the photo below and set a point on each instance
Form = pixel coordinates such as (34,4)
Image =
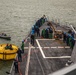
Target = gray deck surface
(43,66)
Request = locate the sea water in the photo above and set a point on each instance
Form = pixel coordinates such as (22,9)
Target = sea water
(18,16)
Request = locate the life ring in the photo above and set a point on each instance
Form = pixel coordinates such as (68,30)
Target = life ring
(8,54)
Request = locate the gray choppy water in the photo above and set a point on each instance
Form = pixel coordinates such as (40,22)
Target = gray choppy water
(17,16)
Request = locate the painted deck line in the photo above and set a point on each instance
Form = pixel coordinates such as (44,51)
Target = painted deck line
(65,57)
(49,47)
(37,47)
(33,47)
(67,47)
(28,60)
(12,66)
(26,47)
(53,47)
(60,47)
(40,48)
(46,47)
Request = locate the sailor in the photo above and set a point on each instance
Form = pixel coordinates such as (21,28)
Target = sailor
(43,33)
(72,34)
(38,32)
(16,66)
(72,43)
(69,62)
(67,39)
(7,46)
(4,34)
(22,46)
(10,47)
(46,33)
(50,31)
(32,37)
(19,52)
(42,20)
(35,28)
(64,36)
(69,31)
(38,23)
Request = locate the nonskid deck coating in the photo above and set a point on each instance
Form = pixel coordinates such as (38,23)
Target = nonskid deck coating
(54,48)
(44,65)
(48,65)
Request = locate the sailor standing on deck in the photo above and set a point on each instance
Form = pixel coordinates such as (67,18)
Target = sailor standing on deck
(72,34)
(16,66)
(32,37)
(46,33)
(22,46)
(67,39)
(38,32)
(19,52)
(64,37)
